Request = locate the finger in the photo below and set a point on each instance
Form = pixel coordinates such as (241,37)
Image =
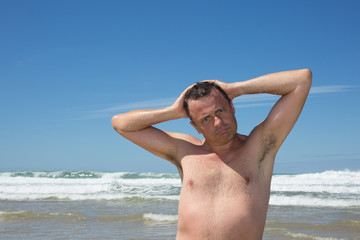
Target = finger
(210,80)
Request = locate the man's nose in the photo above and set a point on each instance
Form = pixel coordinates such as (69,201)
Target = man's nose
(217,121)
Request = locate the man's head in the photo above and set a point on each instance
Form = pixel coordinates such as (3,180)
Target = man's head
(211,112)
(199,90)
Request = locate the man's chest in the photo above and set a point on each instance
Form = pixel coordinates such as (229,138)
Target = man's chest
(211,176)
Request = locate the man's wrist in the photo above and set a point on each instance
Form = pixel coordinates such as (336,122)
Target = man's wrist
(173,113)
(235,89)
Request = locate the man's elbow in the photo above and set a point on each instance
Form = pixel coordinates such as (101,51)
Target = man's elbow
(306,77)
(116,123)
(308,74)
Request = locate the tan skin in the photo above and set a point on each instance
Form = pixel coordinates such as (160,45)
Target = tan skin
(226,176)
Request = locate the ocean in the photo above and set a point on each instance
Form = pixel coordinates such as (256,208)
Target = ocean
(127,205)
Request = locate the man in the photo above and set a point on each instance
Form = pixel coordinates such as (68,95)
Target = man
(225,177)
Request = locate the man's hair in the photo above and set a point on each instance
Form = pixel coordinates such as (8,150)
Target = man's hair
(199,90)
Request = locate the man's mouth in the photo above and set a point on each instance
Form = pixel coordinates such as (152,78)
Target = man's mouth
(222,131)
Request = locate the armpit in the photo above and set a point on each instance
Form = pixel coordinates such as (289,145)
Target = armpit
(269,145)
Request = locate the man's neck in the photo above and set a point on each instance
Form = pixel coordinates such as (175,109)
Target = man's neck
(225,148)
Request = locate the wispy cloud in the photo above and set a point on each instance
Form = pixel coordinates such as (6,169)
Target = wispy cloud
(109,111)
(246,101)
(331,89)
(155,103)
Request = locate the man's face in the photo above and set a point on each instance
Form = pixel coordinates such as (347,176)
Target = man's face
(214,117)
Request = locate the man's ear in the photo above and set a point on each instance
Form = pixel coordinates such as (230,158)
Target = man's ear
(196,128)
(232,106)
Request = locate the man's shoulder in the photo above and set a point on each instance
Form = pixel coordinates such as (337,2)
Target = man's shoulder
(186,138)
(242,137)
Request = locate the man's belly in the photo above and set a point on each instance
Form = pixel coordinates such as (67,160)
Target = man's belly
(221,216)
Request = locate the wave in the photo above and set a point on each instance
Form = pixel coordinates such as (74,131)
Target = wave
(87,174)
(63,174)
(39,216)
(329,182)
(303,236)
(89,186)
(22,215)
(311,201)
(160,217)
(326,189)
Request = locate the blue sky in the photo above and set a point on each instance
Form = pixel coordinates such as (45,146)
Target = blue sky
(66,67)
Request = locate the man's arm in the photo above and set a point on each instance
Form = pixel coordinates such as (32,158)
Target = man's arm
(136,126)
(294,87)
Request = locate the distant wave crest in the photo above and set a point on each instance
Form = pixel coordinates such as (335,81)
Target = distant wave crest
(326,189)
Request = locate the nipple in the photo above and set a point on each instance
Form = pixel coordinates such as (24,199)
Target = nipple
(190,183)
(247,180)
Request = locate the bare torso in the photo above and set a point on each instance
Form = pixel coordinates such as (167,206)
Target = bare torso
(223,198)
(225,179)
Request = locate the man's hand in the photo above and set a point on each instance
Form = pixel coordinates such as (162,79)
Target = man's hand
(178,105)
(227,87)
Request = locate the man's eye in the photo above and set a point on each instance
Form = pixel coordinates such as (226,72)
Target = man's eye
(220,111)
(205,119)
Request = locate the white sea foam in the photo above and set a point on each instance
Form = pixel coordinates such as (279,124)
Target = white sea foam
(308,236)
(330,182)
(299,200)
(327,189)
(87,186)
(160,217)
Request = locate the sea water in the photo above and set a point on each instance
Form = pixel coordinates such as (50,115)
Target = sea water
(125,205)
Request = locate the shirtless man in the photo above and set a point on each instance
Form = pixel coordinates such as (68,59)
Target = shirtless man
(225,177)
